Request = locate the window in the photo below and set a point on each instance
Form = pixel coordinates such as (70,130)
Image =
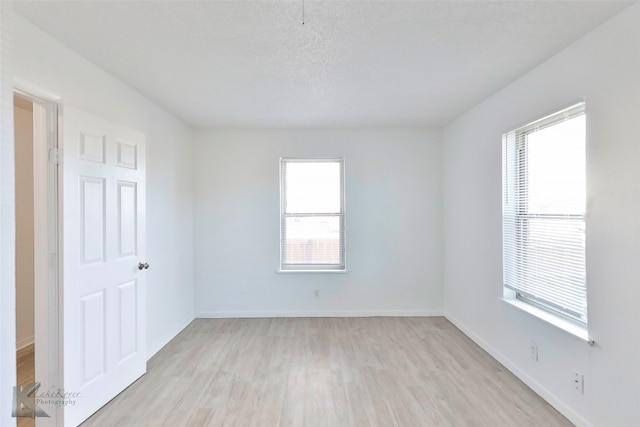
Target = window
(312,235)
(543,213)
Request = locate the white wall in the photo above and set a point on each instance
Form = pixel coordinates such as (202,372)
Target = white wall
(45,62)
(393,224)
(7,221)
(603,66)
(23,119)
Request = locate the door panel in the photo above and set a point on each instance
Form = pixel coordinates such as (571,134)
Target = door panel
(93,228)
(92,147)
(127,218)
(93,345)
(104,291)
(128,319)
(127,156)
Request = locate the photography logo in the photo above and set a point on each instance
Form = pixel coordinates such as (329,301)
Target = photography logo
(24,403)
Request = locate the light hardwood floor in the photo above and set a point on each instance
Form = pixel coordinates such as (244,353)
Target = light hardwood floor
(25,364)
(326,372)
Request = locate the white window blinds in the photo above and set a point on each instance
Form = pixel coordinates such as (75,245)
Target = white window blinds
(312,235)
(544,187)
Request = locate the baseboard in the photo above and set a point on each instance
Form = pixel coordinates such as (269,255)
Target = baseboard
(24,342)
(565,410)
(349,313)
(157,346)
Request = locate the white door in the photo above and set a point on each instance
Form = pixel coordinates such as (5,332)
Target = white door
(104,261)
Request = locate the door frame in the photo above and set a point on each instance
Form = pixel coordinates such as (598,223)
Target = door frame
(48,249)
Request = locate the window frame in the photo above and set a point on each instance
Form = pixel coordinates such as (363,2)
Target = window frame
(515,184)
(305,268)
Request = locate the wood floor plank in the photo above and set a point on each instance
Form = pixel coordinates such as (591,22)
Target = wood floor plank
(25,365)
(326,372)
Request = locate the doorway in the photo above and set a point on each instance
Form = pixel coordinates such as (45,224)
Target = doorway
(25,341)
(37,247)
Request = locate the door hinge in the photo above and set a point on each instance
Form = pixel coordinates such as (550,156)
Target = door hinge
(55,156)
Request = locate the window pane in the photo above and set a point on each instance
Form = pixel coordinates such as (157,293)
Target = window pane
(312,240)
(544,204)
(556,168)
(313,187)
(553,269)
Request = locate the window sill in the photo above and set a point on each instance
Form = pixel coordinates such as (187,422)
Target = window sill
(571,328)
(312,271)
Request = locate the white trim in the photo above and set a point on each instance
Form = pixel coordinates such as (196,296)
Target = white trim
(336,313)
(552,399)
(581,100)
(567,326)
(31,89)
(312,271)
(24,342)
(157,346)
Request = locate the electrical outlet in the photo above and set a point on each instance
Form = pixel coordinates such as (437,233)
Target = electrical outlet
(316,293)
(533,351)
(578,382)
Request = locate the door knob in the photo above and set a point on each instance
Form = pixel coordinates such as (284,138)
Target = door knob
(146,266)
(140,266)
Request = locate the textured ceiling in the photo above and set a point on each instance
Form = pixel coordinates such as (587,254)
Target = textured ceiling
(352,63)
